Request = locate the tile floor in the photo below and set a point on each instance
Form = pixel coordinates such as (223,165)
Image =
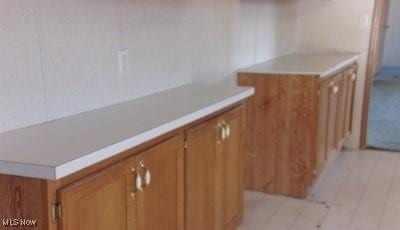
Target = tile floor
(359,191)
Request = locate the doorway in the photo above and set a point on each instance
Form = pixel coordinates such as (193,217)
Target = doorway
(382,101)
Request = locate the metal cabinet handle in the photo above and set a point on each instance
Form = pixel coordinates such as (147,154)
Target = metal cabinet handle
(335,89)
(223,130)
(353,77)
(147,175)
(228,130)
(137,182)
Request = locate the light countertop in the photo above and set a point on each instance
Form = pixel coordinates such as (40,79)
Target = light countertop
(56,149)
(319,64)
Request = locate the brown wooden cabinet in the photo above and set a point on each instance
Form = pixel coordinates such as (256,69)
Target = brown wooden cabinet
(200,176)
(296,124)
(100,201)
(190,178)
(336,105)
(143,192)
(230,169)
(341,106)
(333,117)
(214,173)
(351,77)
(324,105)
(160,204)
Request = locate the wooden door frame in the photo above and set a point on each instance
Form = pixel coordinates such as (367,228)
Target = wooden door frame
(378,16)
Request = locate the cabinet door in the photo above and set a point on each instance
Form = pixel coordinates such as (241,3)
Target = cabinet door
(160,203)
(230,167)
(332,114)
(340,113)
(200,176)
(101,201)
(322,125)
(351,80)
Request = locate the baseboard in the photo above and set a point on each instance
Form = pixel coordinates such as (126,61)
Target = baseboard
(383,149)
(388,71)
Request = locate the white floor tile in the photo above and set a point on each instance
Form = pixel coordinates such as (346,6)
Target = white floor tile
(359,191)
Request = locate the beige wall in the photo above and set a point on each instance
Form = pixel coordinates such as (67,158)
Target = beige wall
(264,29)
(338,25)
(59,58)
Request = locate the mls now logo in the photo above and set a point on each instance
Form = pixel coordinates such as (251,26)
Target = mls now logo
(19,222)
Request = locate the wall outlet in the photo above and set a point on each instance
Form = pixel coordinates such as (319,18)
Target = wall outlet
(123,62)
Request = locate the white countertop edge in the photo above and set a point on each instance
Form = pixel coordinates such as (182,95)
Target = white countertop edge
(340,66)
(92,158)
(281,72)
(305,73)
(27,170)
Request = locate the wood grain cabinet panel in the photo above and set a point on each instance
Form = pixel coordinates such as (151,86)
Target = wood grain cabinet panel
(332,117)
(200,176)
(160,204)
(282,130)
(230,169)
(262,142)
(351,78)
(115,198)
(214,173)
(101,201)
(22,198)
(341,111)
(340,108)
(324,94)
(190,178)
(296,123)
